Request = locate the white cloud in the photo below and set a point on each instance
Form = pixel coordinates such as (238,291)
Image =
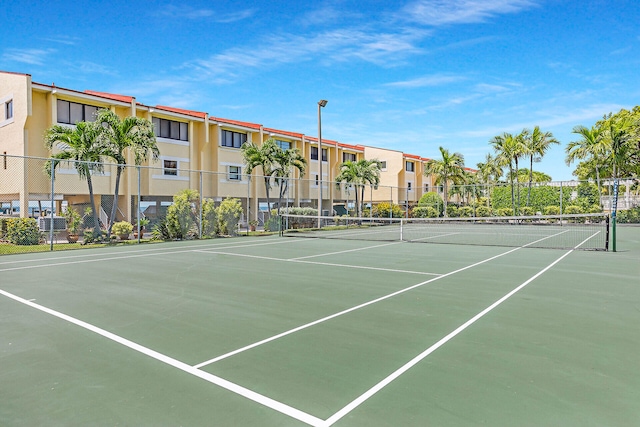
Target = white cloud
(432,80)
(188,12)
(441,12)
(28,56)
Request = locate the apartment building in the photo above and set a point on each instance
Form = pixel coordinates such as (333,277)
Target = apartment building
(197,151)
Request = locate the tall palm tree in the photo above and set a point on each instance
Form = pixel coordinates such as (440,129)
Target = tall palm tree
(590,147)
(285,162)
(359,174)
(536,145)
(79,146)
(119,136)
(263,155)
(489,172)
(449,168)
(509,149)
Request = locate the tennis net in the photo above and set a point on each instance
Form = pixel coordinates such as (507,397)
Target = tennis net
(584,231)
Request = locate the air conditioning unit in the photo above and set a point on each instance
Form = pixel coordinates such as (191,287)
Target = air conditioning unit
(59,223)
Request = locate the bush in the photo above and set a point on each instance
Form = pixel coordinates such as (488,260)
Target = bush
(432,199)
(229,213)
(209,218)
(483,211)
(122,228)
(504,212)
(452,211)
(465,211)
(23,231)
(424,212)
(182,214)
(541,197)
(3,227)
(629,216)
(382,210)
(573,209)
(551,210)
(527,211)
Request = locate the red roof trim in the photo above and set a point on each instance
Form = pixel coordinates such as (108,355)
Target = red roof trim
(411,156)
(116,97)
(284,132)
(351,147)
(237,123)
(192,113)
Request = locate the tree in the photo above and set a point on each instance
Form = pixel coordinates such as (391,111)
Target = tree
(509,149)
(449,168)
(590,147)
(264,156)
(80,146)
(119,136)
(285,162)
(536,145)
(359,174)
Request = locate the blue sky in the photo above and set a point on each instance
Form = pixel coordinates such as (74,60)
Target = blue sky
(410,75)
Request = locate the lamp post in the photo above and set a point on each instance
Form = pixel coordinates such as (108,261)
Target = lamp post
(321,104)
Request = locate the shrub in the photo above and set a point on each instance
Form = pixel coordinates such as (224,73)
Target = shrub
(483,211)
(3,227)
(23,231)
(92,235)
(504,212)
(229,213)
(382,210)
(573,209)
(161,231)
(209,218)
(551,210)
(527,211)
(628,216)
(424,212)
(182,214)
(452,211)
(432,199)
(122,228)
(465,211)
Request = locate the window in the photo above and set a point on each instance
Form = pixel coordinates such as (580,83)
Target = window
(8,109)
(233,139)
(426,188)
(348,157)
(285,145)
(235,173)
(170,129)
(408,186)
(410,166)
(314,154)
(317,180)
(383,165)
(72,112)
(170,167)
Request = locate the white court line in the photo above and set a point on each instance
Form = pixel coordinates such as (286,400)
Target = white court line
(349,310)
(379,386)
(97,252)
(228,385)
(126,255)
(297,260)
(342,252)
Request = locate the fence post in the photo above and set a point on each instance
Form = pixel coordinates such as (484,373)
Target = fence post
(53,180)
(200,213)
(138,205)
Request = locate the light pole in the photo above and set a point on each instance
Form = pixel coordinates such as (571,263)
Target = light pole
(321,104)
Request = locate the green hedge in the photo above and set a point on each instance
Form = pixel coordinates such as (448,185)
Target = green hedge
(629,216)
(541,197)
(22,231)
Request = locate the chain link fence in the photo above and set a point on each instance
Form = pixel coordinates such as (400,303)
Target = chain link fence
(31,188)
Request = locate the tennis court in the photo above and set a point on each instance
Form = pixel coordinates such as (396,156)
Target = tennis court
(276,331)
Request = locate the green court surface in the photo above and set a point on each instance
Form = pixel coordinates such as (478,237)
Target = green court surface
(275,331)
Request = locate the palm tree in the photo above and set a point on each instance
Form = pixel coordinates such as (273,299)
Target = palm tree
(489,172)
(264,156)
(359,174)
(449,168)
(590,147)
(78,145)
(509,149)
(536,144)
(119,136)
(285,162)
